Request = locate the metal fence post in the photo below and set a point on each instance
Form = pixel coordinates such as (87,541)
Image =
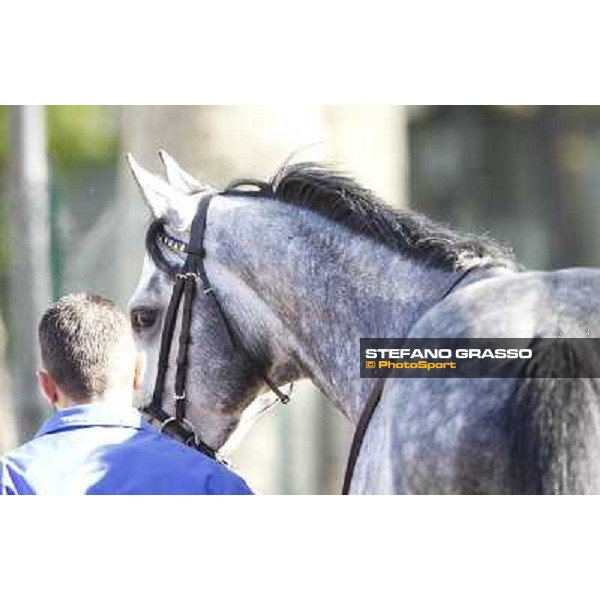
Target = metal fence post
(30,275)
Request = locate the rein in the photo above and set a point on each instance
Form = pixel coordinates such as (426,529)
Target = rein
(185,287)
(373,403)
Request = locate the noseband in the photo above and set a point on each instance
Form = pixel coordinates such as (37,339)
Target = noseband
(186,281)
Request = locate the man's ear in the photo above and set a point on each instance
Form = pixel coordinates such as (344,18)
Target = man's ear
(48,387)
(140,368)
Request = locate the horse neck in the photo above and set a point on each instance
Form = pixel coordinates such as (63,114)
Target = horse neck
(305,290)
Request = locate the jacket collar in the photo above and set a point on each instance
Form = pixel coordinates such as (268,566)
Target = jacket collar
(97,414)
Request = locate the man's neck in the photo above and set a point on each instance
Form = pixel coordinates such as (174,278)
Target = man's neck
(115,397)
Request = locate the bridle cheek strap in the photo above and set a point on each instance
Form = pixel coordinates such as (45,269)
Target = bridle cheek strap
(189,291)
(177,427)
(196,258)
(185,286)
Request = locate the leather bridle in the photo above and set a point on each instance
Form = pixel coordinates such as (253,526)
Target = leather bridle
(187,279)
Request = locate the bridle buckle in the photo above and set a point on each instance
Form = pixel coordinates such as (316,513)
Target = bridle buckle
(166,423)
(184,424)
(187,275)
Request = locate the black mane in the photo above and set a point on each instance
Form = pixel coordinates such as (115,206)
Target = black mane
(339,198)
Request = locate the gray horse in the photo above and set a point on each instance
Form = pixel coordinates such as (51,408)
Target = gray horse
(316,262)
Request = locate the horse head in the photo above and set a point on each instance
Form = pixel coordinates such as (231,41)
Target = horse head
(222,377)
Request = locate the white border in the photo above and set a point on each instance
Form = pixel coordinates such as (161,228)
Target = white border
(303,547)
(262,52)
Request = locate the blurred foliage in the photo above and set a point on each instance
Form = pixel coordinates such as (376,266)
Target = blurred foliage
(77,135)
(82,134)
(3,134)
(518,112)
(4,244)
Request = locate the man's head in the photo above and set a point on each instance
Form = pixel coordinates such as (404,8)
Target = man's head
(88,353)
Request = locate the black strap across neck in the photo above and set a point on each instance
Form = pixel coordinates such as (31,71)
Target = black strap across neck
(373,403)
(185,287)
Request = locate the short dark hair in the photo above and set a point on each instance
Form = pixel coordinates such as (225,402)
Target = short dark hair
(77,335)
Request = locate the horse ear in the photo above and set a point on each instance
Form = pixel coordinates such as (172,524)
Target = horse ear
(180,179)
(165,202)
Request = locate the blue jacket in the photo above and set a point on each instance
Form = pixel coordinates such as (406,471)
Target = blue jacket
(104,448)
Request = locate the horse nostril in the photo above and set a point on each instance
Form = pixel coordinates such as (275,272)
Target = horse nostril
(143,318)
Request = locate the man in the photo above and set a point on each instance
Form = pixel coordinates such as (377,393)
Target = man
(96,442)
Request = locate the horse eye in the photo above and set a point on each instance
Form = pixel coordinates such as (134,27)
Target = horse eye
(143,318)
